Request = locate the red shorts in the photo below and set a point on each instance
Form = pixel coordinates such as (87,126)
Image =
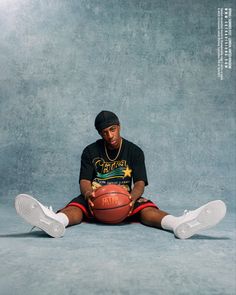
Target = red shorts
(81,203)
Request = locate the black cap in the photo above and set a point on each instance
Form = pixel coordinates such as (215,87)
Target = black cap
(105,119)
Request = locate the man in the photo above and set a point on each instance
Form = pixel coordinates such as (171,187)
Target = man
(113,159)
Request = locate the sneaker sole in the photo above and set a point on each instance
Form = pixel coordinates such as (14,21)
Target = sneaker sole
(211,214)
(30,210)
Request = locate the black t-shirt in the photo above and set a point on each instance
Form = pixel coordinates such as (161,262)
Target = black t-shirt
(128,168)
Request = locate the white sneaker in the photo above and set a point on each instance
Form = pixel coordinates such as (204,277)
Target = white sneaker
(38,215)
(200,219)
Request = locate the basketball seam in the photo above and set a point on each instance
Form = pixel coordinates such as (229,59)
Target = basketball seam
(118,193)
(111,208)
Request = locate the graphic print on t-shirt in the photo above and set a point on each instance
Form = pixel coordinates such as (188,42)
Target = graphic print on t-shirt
(117,172)
(127,169)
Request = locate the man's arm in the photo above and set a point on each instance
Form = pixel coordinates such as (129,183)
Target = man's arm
(86,188)
(137,190)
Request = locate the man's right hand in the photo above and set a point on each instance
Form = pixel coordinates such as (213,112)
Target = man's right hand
(90,198)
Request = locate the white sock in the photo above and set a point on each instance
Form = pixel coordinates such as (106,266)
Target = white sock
(63,218)
(169,222)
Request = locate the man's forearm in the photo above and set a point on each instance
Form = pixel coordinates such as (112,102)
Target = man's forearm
(137,190)
(86,188)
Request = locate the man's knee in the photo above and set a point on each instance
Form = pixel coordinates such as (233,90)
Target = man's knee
(148,214)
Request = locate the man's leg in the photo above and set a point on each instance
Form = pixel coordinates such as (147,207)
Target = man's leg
(152,217)
(74,214)
(188,224)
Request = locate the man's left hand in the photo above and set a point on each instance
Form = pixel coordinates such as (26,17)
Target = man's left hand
(131,205)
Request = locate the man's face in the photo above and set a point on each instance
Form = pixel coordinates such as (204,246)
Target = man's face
(111,136)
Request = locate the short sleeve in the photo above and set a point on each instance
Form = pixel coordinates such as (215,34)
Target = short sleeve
(86,168)
(138,166)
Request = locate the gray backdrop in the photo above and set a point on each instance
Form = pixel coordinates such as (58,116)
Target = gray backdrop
(154,63)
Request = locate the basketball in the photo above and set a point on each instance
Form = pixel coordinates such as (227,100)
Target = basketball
(111,204)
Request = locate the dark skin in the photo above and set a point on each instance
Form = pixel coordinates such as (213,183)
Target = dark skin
(149,216)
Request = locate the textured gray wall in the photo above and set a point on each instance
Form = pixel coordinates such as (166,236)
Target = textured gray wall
(152,62)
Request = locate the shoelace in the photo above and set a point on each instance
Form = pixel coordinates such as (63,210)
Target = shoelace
(50,208)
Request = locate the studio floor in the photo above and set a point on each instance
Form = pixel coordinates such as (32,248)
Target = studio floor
(125,259)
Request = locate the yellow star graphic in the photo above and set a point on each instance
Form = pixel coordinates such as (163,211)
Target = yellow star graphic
(127,172)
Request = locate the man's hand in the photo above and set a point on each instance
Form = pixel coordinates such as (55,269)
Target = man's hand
(131,199)
(125,187)
(95,185)
(131,205)
(136,193)
(90,198)
(88,191)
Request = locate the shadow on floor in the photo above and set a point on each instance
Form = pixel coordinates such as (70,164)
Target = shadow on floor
(36,234)
(203,237)
(41,234)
